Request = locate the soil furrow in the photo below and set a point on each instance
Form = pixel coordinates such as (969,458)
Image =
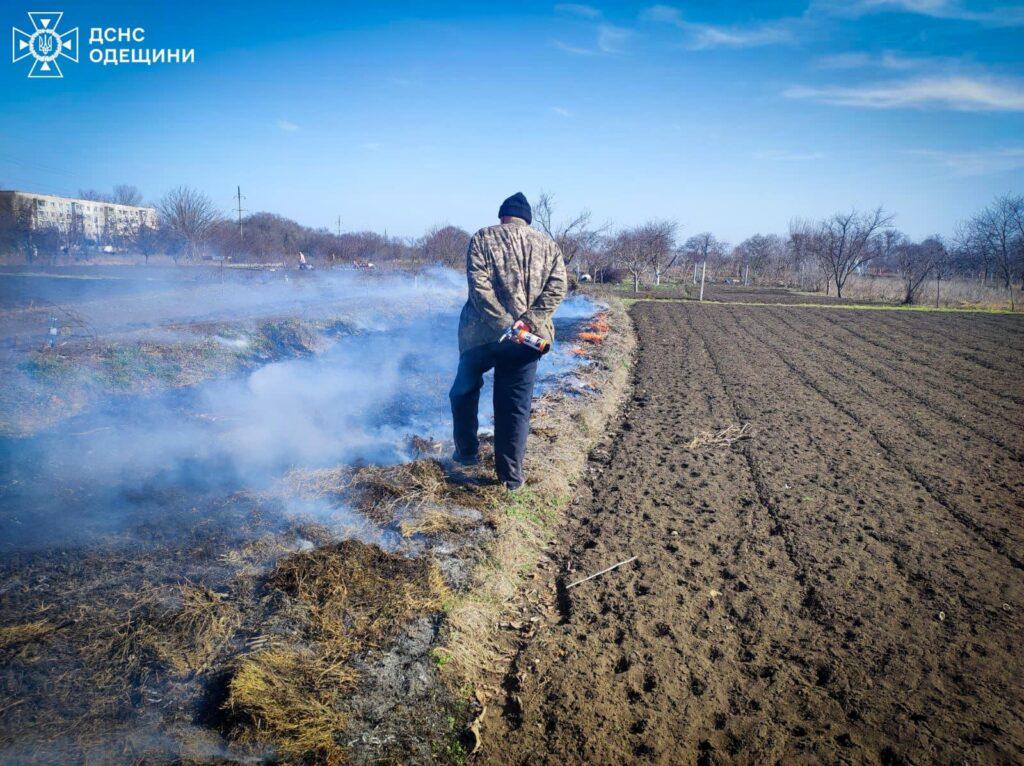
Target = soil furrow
(931,366)
(800,596)
(992,538)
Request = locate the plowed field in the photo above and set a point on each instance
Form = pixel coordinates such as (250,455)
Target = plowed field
(846,585)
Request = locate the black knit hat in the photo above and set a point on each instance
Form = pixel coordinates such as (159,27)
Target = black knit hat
(517,206)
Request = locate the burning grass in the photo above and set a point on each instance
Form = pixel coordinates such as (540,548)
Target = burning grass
(47,384)
(280,632)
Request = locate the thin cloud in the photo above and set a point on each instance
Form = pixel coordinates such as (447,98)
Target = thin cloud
(610,39)
(287,126)
(782,155)
(705,36)
(575,50)
(888,60)
(578,9)
(708,36)
(980,162)
(965,94)
(953,10)
(561,111)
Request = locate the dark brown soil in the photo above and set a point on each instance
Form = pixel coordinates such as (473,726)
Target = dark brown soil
(845,586)
(728,293)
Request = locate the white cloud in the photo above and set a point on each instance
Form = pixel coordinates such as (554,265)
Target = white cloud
(966,94)
(610,38)
(578,9)
(993,15)
(889,60)
(980,162)
(707,36)
(573,49)
(287,126)
(662,14)
(561,111)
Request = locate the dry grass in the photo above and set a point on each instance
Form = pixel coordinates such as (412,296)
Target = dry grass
(564,429)
(14,636)
(292,640)
(419,493)
(953,293)
(723,438)
(291,698)
(334,602)
(192,626)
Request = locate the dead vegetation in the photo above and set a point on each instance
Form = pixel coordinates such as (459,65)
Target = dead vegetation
(45,385)
(726,437)
(563,430)
(286,623)
(328,605)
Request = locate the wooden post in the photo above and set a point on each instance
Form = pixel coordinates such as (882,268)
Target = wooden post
(695,272)
(703,273)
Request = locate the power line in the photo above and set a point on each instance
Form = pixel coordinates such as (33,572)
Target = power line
(240,211)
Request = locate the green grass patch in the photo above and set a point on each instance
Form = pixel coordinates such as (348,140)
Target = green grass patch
(535,507)
(47,366)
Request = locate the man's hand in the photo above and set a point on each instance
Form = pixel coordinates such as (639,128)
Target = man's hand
(521,325)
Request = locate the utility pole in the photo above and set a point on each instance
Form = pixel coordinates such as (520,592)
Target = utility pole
(703,272)
(238,197)
(339,226)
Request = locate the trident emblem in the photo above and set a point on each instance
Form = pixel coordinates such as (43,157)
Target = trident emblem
(44,44)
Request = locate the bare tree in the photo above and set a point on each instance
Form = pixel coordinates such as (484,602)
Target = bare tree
(649,247)
(942,264)
(574,236)
(93,195)
(126,194)
(659,239)
(190,215)
(845,242)
(996,235)
(630,254)
(800,252)
(445,244)
(915,262)
(703,247)
(761,252)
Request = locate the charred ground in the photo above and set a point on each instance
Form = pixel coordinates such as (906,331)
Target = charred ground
(845,585)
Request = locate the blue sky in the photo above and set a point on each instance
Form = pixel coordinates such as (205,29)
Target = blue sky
(728,117)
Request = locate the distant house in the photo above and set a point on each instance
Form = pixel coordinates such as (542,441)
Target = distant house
(95,220)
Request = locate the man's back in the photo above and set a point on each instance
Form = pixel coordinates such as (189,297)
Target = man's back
(515,272)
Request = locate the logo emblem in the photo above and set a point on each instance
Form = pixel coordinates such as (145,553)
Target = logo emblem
(44,44)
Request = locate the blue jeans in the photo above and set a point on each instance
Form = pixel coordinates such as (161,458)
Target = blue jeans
(515,370)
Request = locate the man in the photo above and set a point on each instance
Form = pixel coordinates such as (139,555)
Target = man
(516,278)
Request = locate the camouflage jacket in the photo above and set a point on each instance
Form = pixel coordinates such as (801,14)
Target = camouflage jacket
(515,272)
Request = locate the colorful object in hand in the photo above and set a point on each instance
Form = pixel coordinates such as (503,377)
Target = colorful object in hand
(527,338)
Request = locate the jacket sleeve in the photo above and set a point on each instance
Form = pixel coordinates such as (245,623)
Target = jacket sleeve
(550,295)
(481,288)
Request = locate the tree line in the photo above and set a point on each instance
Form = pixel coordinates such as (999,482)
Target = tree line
(819,255)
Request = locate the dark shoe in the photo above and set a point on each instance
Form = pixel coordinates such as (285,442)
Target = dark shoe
(466,460)
(514,486)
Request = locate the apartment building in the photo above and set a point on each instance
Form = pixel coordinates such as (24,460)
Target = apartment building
(97,221)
